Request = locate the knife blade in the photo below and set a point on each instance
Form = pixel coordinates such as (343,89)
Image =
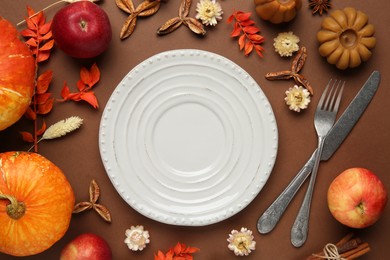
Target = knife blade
(336,136)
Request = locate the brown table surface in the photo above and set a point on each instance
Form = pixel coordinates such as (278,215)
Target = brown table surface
(368,144)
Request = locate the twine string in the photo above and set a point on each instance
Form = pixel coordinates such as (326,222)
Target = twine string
(331,253)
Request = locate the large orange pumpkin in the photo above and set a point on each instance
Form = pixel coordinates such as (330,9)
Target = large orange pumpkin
(17,75)
(277,11)
(36,203)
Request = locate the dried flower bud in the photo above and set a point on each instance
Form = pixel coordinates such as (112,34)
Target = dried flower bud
(209,12)
(297,98)
(241,242)
(137,238)
(286,44)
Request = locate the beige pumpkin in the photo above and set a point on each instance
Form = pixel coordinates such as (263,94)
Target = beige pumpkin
(346,38)
(17,75)
(277,11)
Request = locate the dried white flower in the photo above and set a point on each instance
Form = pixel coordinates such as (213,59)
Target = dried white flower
(286,44)
(241,242)
(209,12)
(137,238)
(62,127)
(297,98)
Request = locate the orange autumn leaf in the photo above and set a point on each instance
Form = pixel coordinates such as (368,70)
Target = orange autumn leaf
(27,137)
(38,35)
(39,39)
(30,114)
(46,107)
(42,130)
(43,81)
(90,98)
(88,79)
(248,33)
(179,252)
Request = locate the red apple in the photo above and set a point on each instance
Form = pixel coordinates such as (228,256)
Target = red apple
(357,198)
(86,247)
(82,29)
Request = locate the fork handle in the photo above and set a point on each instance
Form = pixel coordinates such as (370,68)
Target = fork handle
(300,227)
(271,216)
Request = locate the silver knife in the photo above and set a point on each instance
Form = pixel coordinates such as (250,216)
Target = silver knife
(336,136)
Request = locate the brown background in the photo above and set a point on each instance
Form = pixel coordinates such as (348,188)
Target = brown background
(77,154)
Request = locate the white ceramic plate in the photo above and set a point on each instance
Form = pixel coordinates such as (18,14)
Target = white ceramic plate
(188,138)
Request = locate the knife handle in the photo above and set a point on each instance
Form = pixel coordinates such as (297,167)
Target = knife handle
(271,216)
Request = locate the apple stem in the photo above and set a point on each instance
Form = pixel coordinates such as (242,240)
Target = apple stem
(44,9)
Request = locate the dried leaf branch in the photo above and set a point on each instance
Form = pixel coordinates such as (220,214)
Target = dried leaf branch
(296,67)
(175,22)
(248,33)
(94,193)
(146,8)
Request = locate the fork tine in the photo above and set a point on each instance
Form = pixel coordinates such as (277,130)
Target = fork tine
(336,105)
(331,96)
(324,94)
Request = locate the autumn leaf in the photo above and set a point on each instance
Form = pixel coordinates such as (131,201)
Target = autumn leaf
(43,81)
(39,39)
(88,79)
(38,35)
(27,137)
(179,252)
(248,33)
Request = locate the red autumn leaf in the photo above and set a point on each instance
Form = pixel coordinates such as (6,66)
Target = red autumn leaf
(47,46)
(46,36)
(247,23)
(30,114)
(241,16)
(259,50)
(248,48)
(90,98)
(32,42)
(236,31)
(95,74)
(256,38)
(241,41)
(90,77)
(43,81)
(251,29)
(247,32)
(81,86)
(45,28)
(65,91)
(27,137)
(28,33)
(42,129)
(42,98)
(45,108)
(43,55)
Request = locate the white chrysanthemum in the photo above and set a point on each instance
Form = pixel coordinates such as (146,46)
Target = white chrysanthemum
(286,44)
(297,98)
(209,12)
(137,238)
(241,242)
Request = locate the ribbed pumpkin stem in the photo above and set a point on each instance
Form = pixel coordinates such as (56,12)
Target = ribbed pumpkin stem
(15,209)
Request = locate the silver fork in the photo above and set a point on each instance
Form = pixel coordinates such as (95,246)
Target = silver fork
(324,119)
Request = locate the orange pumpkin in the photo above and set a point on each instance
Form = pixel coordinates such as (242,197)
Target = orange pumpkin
(277,11)
(17,75)
(36,203)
